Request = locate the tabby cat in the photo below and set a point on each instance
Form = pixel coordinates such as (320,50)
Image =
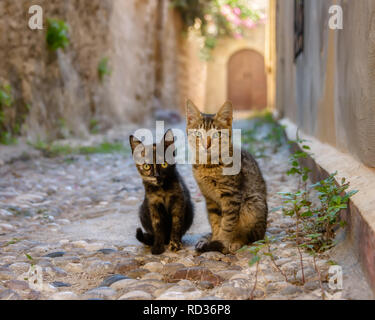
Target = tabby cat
(167,211)
(236,204)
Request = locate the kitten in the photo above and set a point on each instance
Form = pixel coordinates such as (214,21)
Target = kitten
(236,204)
(167,211)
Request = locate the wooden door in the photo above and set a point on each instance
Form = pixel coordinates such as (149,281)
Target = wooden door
(247,81)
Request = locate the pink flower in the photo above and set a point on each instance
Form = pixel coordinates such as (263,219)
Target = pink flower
(237,11)
(226,10)
(237,35)
(234,19)
(248,23)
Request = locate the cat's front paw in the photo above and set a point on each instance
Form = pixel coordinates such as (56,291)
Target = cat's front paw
(201,245)
(175,245)
(158,249)
(235,246)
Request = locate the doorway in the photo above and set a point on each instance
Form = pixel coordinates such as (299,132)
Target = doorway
(247,80)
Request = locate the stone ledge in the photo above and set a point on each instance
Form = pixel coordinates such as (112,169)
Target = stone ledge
(360,214)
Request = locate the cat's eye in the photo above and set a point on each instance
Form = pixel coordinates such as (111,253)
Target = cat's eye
(164,165)
(146,166)
(216,135)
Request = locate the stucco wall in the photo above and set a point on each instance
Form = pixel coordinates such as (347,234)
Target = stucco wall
(329,91)
(140,38)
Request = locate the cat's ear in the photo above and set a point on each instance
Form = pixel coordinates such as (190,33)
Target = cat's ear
(225,114)
(168,138)
(192,113)
(134,142)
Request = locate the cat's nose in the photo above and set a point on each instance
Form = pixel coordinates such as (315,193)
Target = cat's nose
(156,173)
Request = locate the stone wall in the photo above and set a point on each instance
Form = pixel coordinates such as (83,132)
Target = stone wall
(62,89)
(329,90)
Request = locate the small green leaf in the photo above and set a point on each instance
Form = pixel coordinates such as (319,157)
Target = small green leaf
(254,260)
(29,257)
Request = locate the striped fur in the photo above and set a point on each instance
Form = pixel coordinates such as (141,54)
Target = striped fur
(237,204)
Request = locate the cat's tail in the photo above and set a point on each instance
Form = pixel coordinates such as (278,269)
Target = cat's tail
(146,238)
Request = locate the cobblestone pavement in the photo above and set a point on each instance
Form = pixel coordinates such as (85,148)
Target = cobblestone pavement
(67,230)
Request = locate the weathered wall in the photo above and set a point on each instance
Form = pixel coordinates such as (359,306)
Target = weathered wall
(329,91)
(63,89)
(193,71)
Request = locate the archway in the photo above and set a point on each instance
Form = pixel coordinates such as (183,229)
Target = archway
(247,80)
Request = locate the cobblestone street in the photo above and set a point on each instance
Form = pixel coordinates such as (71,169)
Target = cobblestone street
(67,231)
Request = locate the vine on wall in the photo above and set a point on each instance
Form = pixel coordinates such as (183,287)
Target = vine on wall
(216,18)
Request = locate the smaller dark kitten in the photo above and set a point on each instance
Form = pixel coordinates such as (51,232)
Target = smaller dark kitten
(167,211)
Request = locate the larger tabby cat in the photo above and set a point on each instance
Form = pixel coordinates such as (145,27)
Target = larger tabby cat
(166,212)
(236,204)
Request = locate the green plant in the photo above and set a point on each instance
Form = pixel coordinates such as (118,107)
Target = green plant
(216,18)
(55,150)
(6,102)
(266,134)
(94,126)
(325,219)
(318,222)
(6,95)
(57,34)
(103,68)
(295,160)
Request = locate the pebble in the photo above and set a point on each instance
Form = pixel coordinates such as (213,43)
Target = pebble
(227,274)
(94,246)
(107,251)
(112,279)
(137,273)
(153,276)
(171,268)
(229,292)
(56,254)
(125,267)
(9,295)
(136,295)
(213,255)
(6,274)
(46,287)
(64,242)
(64,295)
(291,290)
(153,266)
(74,267)
(17,285)
(19,267)
(311,285)
(79,244)
(100,267)
(196,274)
(186,261)
(105,293)
(59,284)
(205,285)
(7,227)
(122,284)
(178,295)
